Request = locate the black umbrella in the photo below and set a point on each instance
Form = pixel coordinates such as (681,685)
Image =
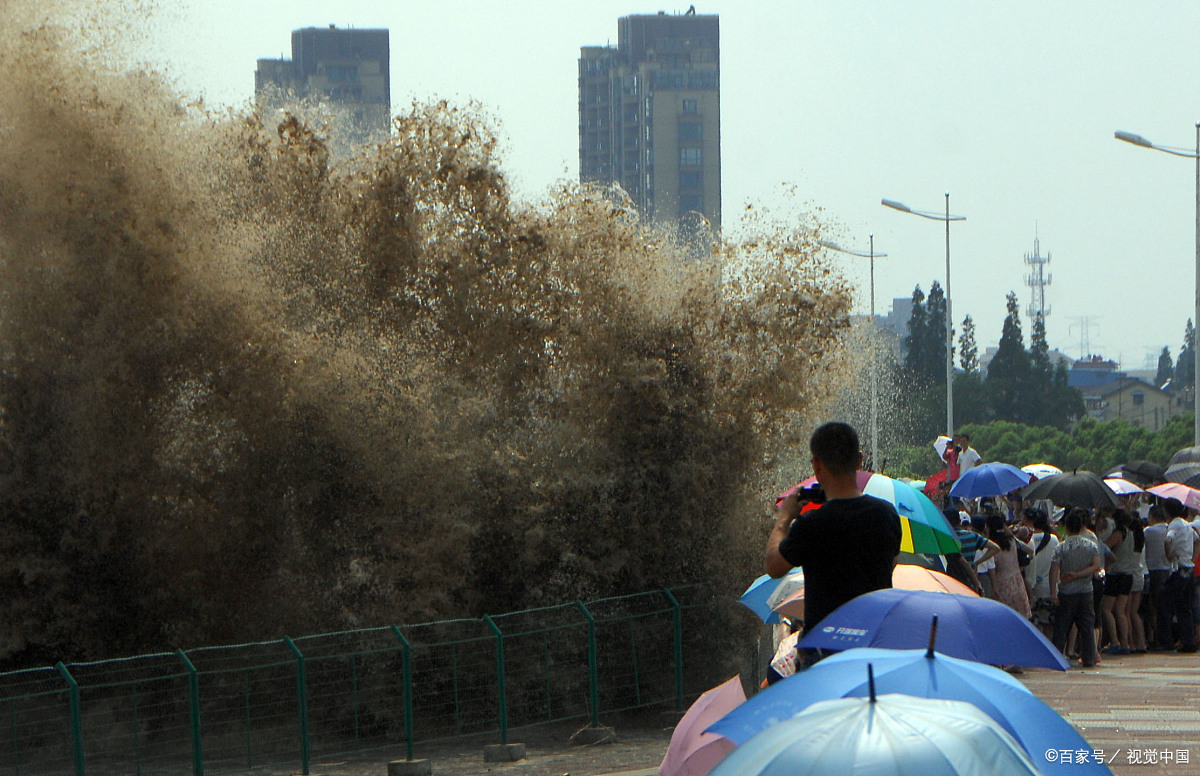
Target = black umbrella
(1077,489)
(1141,473)
(1186,455)
(1185,472)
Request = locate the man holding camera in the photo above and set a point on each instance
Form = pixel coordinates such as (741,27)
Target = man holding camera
(848,546)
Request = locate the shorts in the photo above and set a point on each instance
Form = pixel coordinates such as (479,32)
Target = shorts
(1042,612)
(1118,584)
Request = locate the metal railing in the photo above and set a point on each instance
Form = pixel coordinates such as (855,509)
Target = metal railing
(295,700)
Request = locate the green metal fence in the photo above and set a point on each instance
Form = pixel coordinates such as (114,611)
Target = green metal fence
(291,702)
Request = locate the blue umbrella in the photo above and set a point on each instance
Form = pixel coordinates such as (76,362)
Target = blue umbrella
(888,734)
(990,479)
(978,629)
(765,593)
(922,673)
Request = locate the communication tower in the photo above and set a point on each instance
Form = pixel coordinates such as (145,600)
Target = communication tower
(1037,279)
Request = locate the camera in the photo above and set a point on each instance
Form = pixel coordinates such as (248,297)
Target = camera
(958,448)
(813,493)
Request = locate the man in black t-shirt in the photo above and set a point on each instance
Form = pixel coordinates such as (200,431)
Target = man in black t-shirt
(849,545)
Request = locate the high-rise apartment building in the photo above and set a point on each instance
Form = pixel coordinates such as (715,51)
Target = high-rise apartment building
(347,71)
(650,115)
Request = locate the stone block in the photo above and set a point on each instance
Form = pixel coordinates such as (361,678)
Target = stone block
(410,768)
(503,753)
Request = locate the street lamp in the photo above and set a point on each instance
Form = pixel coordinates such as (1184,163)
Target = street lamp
(949,320)
(1138,140)
(870,321)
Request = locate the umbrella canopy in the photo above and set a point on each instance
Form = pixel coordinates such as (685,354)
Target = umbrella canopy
(1078,489)
(924,674)
(933,483)
(990,479)
(1041,470)
(924,529)
(1189,496)
(1121,486)
(1186,455)
(1142,473)
(693,751)
(1184,467)
(1186,473)
(977,629)
(765,592)
(904,577)
(888,734)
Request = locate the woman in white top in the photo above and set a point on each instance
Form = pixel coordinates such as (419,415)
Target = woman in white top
(1037,573)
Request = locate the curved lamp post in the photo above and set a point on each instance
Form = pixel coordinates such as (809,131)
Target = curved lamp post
(949,319)
(1138,140)
(870,321)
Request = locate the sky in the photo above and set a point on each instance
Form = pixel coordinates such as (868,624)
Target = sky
(828,107)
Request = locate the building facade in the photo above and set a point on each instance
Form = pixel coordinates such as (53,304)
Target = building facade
(347,72)
(1134,401)
(650,116)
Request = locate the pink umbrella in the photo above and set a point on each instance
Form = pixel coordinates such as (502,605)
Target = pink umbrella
(692,752)
(1189,496)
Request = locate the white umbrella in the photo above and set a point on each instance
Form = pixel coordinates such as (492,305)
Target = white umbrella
(1122,486)
(1041,470)
(891,734)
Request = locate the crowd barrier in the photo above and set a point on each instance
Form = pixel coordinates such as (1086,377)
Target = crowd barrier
(293,701)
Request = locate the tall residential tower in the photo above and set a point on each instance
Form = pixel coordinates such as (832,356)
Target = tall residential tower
(650,115)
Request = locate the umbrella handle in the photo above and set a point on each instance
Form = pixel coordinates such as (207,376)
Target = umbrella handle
(932,636)
(871,680)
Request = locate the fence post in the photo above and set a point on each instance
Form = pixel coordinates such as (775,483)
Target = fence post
(593,669)
(76,717)
(503,700)
(302,693)
(406,650)
(677,621)
(194,712)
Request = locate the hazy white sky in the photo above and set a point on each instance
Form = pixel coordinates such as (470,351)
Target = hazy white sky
(1010,107)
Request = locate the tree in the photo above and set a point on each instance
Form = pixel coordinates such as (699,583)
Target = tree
(1009,372)
(1039,350)
(968,353)
(935,332)
(915,342)
(1185,367)
(1166,368)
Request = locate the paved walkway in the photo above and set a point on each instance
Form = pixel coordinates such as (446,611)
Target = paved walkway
(1141,713)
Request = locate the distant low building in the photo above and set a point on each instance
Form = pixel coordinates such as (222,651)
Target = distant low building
(1093,372)
(1135,401)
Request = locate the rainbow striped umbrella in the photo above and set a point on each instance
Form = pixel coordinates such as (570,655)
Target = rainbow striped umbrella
(925,529)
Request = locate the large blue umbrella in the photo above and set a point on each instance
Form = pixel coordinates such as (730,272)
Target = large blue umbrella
(888,734)
(926,674)
(990,479)
(978,629)
(765,593)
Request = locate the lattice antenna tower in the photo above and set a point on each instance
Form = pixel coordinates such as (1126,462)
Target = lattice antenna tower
(1037,279)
